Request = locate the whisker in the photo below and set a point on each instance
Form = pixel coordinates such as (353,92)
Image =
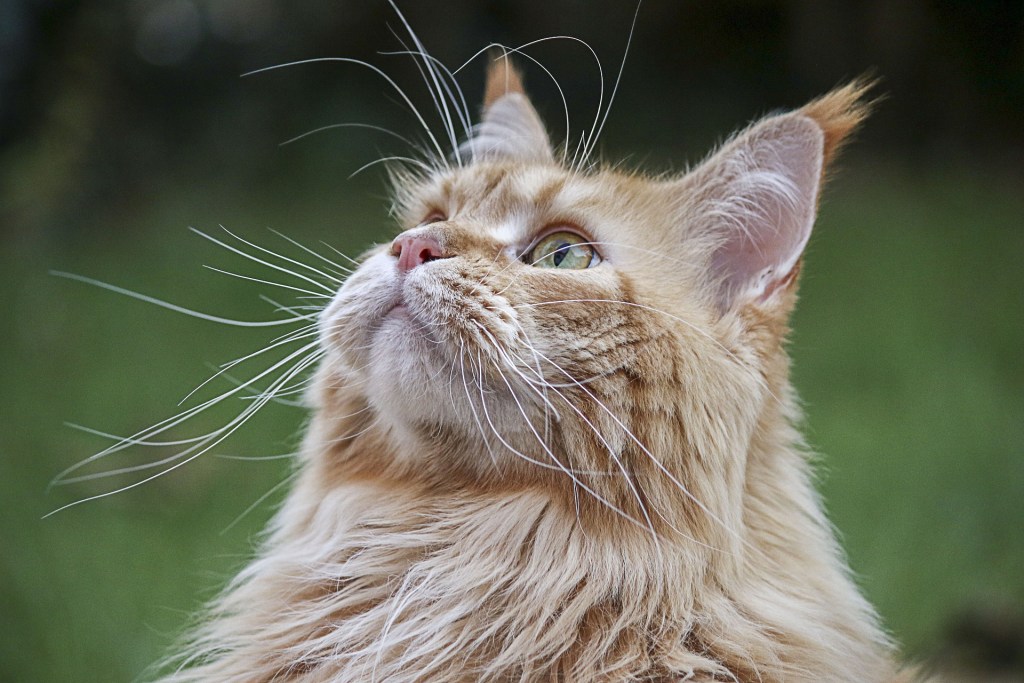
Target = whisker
(679,485)
(332,126)
(331,278)
(459,104)
(197,441)
(302,333)
(174,307)
(342,255)
(348,437)
(611,451)
(299,388)
(384,160)
(295,309)
(118,438)
(596,132)
(437,94)
(276,267)
(472,406)
(255,458)
(181,417)
(348,60)
(509,364)
(224,433)
(558,86)
(553,457)
(256,503)
(347,271)
(601,80)
(266,282)
(497,348)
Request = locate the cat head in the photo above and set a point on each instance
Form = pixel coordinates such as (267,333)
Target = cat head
(540,323)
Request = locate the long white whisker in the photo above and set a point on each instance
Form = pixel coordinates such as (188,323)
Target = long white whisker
(558,86)
(472,407)
(296,310)
(596,133)
(535,387)
(298,387)
(502,352)
(254,458)
(342,255)
(384,160)
(494,430)
(224,433)
(265,282)
(607,445)
(437,94)
(459,103)
(332,126)
(302,333)
(315,283)
(256,503)
(348,437)
(312,252)
(119,438)
(611,451)
(181,417)
(379,72)
(173,307)
(597,61)
(199,442)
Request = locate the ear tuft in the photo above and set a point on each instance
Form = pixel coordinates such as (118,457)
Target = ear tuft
(503,78)
(840,112)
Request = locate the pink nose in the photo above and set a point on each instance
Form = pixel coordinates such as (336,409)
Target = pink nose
(415,250)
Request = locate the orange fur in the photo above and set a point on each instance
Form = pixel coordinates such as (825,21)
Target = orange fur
(840,113)
(502,78)
(517,473)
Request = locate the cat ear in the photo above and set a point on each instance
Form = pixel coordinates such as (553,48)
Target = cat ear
(511,128)
(757,197)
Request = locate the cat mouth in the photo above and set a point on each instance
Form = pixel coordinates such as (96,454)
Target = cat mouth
(406,316)
(399,310)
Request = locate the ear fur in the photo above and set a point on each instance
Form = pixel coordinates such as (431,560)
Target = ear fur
(511,129)
(757,197)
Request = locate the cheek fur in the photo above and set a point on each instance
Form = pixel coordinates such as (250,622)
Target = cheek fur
(355,313)
(574,320)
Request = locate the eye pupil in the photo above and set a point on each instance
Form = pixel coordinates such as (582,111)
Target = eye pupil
(560,253)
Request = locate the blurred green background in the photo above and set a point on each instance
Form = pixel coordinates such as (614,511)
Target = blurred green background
(122,124)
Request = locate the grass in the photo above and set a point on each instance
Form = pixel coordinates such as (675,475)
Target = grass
(907,353)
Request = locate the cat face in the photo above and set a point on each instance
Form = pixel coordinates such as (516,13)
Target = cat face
(591,327)
(527,303)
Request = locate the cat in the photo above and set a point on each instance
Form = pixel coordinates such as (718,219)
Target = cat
(553,434)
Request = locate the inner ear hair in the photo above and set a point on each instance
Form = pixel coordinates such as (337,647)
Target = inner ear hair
(757,197)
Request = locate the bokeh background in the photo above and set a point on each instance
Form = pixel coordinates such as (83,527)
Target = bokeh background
(124,123)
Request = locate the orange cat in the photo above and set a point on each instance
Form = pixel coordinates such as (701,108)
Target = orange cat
(553,434)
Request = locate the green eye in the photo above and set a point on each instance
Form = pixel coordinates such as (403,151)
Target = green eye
(565,250)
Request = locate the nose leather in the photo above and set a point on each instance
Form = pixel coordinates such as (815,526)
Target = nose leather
(415,250)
